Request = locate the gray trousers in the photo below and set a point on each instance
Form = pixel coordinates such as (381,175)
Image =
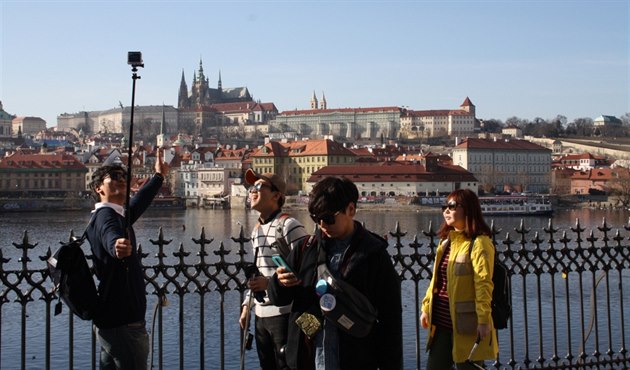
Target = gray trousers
(124,348)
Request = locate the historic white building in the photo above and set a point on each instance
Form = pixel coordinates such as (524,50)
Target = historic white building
(117,120)
(28,125)
(506,165)
(442,122)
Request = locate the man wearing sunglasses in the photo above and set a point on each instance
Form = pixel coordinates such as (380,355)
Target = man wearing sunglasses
(275,233)
(359,258)
(120,326)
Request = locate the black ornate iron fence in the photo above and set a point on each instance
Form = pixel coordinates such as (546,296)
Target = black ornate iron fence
(569,288)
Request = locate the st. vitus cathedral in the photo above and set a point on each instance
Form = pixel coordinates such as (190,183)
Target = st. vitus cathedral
(201,94)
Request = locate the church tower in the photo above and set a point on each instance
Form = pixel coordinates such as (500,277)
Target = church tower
(182,99)
(323,104)
(201,91)
(468,106)
(161,139)
(220,84)
(314,101)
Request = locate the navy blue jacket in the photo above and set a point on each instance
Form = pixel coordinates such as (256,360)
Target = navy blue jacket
(121,285)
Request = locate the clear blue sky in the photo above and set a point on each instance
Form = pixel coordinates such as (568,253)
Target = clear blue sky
(512,58)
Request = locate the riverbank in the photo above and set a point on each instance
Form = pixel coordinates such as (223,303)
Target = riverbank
(292,203)
(45,204)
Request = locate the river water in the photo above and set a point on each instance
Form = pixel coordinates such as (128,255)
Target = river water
(47,229)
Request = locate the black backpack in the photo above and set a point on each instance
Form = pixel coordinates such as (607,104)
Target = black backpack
(73,279)
(502,293)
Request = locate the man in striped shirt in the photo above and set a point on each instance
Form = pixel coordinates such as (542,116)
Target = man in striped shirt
(275,233)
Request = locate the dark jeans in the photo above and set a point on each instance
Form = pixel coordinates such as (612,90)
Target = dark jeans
(124,347)
(441,353)
(271,336)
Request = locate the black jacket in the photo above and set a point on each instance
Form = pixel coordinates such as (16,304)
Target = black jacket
(121,288)
(368,267)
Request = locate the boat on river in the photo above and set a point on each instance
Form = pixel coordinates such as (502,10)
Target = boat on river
(171,202)
(516,205)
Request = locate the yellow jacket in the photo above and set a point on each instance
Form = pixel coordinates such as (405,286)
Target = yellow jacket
(469,300)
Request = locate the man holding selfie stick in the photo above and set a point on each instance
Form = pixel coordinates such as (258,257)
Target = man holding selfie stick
(275,234)
(120,325)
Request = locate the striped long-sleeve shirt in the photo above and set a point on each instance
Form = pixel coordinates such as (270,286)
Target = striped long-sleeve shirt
(263,237)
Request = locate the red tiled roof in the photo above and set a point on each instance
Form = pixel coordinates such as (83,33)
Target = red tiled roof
(361,152)
(231,154)
(41,161)
(395,172)
(303,148)
(467,103)
(437,112)
(581,156)
(340,110)
(243,107)
(600,174)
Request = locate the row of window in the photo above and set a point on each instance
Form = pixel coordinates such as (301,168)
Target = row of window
(26,184)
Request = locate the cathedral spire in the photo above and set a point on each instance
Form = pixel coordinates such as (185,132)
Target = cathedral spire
(314,101)
(322,104)
(201,78)
(182,98)
(220,84)
(163,120)
(161,140)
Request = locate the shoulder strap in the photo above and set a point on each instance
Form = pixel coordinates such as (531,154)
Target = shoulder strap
(472,244)
(282,219)
(84,234)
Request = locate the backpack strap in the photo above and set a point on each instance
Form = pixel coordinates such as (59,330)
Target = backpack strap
(282,220)
(83,236)
(472,244)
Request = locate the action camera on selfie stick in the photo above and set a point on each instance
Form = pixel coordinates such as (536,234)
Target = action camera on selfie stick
(134,59)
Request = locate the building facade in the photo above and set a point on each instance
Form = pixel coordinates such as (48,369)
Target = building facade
(506,165)
(343,124)
(42,174)
(6,123)
(607,121)
(28,125)
(297,160)
(117,120)
(435,123)
(401,178)
(583,161)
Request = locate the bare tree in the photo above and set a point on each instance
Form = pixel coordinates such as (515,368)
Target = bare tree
(620,186)
(492,125)
(580,127)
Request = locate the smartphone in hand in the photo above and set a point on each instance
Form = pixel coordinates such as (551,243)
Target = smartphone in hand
(280,262)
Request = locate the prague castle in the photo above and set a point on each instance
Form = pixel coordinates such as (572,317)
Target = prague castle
(202,94)
(232,112)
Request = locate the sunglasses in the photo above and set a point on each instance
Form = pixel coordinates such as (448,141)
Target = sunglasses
(117,176)
(328,219)
(258,187)
(451,206)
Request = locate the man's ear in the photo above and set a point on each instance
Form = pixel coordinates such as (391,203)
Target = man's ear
(99,190)
(351,209)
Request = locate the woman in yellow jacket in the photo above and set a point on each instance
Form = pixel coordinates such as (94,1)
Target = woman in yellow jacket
(456,306)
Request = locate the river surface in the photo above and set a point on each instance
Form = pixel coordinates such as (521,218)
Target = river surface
(47,229)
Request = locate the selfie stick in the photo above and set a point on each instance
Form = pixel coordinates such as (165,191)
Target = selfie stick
(247,317)
(134,59)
